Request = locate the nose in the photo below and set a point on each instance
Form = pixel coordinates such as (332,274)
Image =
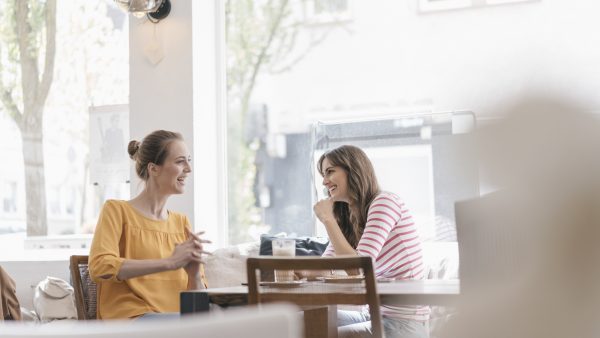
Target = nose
(188,168)
(325,180)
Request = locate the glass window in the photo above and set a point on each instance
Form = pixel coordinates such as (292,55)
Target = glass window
(295,89)
(77,59)
(9,197)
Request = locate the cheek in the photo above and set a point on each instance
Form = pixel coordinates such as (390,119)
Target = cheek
(171,174)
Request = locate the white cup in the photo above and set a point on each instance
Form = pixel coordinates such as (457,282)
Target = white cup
(284,247)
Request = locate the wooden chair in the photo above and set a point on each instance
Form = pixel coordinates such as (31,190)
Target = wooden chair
(317,294)
(85,288)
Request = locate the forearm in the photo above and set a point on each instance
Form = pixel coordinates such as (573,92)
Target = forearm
(195,283)
(339,242)
(140,267)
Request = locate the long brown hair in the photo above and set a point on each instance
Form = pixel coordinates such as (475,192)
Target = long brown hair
(362,189)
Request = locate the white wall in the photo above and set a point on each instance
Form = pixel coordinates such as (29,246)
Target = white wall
(176,94)
(161,95)
(27,274)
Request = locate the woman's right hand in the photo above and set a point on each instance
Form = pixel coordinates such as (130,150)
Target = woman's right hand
(186,252)
(324,211)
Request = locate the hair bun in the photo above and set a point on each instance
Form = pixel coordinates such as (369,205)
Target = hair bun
(133,148)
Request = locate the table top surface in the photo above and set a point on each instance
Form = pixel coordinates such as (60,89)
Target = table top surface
(408,287)
(398,293)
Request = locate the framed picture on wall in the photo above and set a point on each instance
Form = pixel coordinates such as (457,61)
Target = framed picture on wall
(109,135)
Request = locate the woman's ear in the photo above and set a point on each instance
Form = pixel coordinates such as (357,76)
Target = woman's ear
(153,169)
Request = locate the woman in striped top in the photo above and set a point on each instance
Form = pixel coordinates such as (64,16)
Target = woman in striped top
(361,219)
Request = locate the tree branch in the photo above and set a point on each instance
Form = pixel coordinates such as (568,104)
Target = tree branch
(29,69)
(50,52)
(263,52)
(299,58)
(10,105)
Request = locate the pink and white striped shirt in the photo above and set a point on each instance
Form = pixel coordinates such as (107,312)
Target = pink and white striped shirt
(392,240)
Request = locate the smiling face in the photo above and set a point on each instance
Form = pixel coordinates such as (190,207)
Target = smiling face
(335,179)
(170,177)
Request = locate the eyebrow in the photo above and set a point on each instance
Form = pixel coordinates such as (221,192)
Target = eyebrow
(184,157)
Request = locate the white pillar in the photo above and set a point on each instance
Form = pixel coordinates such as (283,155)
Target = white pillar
(176,84)
(160,93)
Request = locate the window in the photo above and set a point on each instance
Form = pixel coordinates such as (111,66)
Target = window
(9,197)
(47,190)
(295,89)
(427,159)
(328,11)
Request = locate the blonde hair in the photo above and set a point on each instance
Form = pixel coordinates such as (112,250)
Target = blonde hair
(154,148)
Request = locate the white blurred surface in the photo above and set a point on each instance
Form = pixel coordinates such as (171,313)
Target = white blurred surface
(529,252)
(270,321)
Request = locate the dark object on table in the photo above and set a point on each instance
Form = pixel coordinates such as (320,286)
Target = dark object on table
(305,246)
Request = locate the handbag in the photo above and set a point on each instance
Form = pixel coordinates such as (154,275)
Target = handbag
(54,299)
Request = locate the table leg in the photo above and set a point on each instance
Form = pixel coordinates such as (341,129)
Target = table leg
(320,322)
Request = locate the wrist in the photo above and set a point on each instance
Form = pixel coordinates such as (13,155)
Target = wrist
(170,263)
(329,222)
(195,283)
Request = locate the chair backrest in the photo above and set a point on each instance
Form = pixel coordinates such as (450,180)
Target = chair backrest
(316,293)
(493,241)
(85,288)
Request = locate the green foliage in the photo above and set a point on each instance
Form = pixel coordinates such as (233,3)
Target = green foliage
(263,36)
(36,19)
(251,30)
(9,52)
(8,34)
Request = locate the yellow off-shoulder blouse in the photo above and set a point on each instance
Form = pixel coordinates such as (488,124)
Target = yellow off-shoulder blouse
(124,233)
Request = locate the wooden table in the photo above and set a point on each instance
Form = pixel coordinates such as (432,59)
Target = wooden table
(425,292)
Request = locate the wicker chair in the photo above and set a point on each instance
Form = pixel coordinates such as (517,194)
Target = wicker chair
(85,288)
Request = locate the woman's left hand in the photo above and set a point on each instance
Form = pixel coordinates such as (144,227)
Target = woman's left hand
(324,210)
(192,268)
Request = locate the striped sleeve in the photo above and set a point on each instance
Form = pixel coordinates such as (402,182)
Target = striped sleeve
(384,213)
(329,251)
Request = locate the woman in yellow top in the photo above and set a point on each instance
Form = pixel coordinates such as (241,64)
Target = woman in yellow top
(142,254)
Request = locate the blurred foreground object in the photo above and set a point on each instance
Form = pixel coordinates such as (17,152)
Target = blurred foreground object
(529,252)
(9,304)
(269,321)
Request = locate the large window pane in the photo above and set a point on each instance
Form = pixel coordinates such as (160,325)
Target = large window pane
(45,136)
(306,76)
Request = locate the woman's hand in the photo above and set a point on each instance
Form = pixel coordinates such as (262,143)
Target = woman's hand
(188,252)
(193,267)
(324,211)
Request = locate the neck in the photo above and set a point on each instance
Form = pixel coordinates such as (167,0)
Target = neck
(151,203)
